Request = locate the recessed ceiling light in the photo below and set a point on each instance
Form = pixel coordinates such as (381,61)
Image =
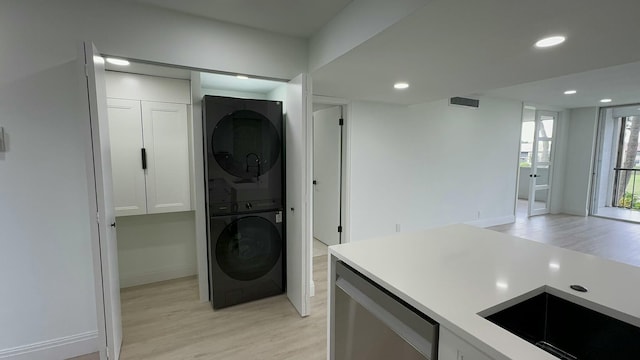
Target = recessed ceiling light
(570,92)
(120,62)
(550,41)
(98,59)
(401,85)
(606,100)
(243,77)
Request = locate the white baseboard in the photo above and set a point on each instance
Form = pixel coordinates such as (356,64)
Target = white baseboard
(577,212)
(56,349)
(127,280)
(483,223)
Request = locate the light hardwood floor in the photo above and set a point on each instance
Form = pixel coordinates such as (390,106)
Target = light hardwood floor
(166,320)
(610,239)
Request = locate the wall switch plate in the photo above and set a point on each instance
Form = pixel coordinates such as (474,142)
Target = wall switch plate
(2,142)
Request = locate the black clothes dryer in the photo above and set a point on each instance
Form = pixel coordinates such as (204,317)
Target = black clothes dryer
(246,257)
(244,154)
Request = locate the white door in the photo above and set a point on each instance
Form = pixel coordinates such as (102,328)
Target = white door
(166,140)
(326,174)
(110,328)
(125,132)
(542,163)
(298,183)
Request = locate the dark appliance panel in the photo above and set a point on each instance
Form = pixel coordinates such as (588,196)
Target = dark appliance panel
(246,254)
(243,140)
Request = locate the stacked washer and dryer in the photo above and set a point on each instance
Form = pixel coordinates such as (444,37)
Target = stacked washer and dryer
(244,165)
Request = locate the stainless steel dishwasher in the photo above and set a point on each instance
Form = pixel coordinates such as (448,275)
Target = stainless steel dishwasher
(368,322)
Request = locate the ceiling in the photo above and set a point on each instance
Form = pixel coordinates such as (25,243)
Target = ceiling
(300,18)
(460,47)
(619,83)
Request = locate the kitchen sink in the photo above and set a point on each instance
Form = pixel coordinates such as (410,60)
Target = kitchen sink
(568,330)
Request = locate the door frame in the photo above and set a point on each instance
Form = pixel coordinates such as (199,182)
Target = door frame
(99,226)
(93,206)
(559,132)
(346,161)
(532,181)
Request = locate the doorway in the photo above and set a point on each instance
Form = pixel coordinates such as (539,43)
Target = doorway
(329,144)
(327,175)
(616,190)
(537,149)
(103,236)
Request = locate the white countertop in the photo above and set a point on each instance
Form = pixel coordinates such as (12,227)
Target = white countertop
(453,273)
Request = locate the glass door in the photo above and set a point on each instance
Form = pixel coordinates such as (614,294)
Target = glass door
(541,163)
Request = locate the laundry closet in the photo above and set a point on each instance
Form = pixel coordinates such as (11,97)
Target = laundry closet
(166,228)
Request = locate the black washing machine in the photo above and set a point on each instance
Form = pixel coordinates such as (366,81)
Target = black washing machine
(246,257)
(244,154)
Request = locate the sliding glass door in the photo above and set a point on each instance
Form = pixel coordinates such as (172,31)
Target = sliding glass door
(616,191)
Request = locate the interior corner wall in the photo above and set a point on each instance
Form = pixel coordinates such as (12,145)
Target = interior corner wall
(579,160)
(432,164)
(359,21)
(48,306)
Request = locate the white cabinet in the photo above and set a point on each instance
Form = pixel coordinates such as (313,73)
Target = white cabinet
(158,133)
(451,347)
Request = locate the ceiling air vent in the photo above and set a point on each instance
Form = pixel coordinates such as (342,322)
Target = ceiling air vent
(460,101)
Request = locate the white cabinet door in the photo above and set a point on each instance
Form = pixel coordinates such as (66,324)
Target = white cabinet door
(125,129)
(166,140)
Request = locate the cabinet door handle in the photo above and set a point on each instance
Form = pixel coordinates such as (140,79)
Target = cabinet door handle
(143,152)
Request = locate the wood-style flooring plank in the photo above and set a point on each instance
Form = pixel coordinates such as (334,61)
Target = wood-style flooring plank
(166,321)
(611,239)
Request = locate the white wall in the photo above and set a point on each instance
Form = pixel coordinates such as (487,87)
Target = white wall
(38,33)
(579,160)
(432,164)
(45,265)
(156,247)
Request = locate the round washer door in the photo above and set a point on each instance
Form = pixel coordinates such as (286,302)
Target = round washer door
(245,144)
(248,248)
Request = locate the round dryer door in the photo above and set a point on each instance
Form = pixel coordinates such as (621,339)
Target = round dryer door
(245,144)
(248,248)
